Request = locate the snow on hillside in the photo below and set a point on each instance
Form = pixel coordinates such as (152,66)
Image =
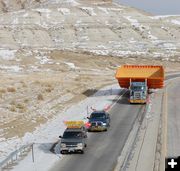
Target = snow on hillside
(7,54)
(89,27)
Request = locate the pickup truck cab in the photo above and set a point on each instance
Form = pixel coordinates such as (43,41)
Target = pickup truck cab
(98,121)
(73,140)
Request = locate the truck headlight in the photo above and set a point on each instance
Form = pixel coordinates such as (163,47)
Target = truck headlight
(63,145)
(80,145)
(104,124)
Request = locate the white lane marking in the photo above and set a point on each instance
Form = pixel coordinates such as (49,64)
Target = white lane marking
(118,99)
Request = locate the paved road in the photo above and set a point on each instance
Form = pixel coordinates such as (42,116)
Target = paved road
(173,75)
(104,148)
(173,140)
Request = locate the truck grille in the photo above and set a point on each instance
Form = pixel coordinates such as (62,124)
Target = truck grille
(71,144)
(96,124)
(137,95)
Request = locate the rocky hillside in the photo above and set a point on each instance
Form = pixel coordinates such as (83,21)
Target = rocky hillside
(103,28)
(15,5)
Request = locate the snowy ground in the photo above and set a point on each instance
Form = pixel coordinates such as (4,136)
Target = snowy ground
(45,136)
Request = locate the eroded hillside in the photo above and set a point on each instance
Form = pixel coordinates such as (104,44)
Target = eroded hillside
(106,29)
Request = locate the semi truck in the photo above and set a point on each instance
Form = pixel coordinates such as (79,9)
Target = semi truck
(139,79)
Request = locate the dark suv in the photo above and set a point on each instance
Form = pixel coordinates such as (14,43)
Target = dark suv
(73,140)
(98,121)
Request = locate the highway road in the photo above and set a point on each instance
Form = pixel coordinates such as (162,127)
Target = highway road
(173,139)
(104,147)
(173,116)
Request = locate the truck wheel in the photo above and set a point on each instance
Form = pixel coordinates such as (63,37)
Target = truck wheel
(82,151)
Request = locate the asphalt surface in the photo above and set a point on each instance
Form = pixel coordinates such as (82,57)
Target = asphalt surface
(173,139)
(104,147)
(173,118)
(175,75)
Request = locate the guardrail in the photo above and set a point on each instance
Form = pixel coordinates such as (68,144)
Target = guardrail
(15,155)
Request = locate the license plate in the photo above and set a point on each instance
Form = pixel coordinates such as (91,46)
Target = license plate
(71,149)
(96,128)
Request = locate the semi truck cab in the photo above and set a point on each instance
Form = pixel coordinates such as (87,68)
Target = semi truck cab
(138,92)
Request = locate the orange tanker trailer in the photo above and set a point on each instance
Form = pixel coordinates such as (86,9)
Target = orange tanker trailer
(139,79)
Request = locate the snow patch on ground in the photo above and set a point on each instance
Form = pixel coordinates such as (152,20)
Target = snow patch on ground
(163,16)
(25,15)
(42,10)
(89,10)
(133,21)
(12,68)
(169,46)
(100,52)
(115,9)
(152,37)
(64,11)
(72,2)
(175,22)
(71,65)
(7,54)
(15,21)
(105,10)
(42,57)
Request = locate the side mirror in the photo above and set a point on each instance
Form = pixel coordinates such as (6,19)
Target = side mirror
(60,136)
(87,117)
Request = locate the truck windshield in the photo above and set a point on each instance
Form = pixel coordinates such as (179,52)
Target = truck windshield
(98,116)
(69,135)
(138,88)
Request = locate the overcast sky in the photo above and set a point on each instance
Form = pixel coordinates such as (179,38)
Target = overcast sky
(158,7)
